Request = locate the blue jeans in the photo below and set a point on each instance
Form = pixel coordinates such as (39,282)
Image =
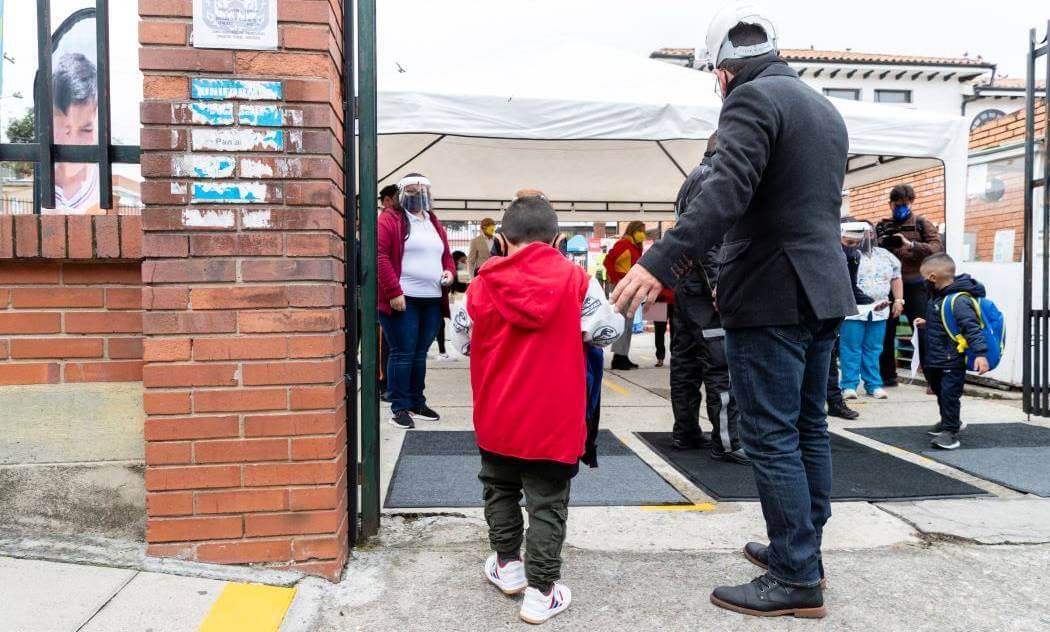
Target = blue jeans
(409,335)
(860,345)
(780,378)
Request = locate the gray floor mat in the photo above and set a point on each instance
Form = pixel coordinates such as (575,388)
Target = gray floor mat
(440,469)
(1015,455)
(1023,469)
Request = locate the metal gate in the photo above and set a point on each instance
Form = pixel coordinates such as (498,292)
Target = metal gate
(360,167)
(1036,326)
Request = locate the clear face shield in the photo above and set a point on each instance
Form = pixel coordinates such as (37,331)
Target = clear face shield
(414,194)
(859,236)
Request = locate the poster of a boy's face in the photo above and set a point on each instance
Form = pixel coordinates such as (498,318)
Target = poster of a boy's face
(75,101)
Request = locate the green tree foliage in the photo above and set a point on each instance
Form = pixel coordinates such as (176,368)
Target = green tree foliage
(20,130)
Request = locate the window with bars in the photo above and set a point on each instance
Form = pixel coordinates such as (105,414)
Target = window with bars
(60,152)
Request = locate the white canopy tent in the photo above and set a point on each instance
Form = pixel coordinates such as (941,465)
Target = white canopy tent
(605,133)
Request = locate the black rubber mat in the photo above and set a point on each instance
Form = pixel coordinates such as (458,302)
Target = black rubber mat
(1015,455)
(858,473)
(440,469)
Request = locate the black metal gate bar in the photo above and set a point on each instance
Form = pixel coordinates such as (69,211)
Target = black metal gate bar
(1036,322)
(367,176)
(45,134)
(105,167)
(350,252)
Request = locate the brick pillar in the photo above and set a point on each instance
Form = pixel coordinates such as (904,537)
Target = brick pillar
(245,430)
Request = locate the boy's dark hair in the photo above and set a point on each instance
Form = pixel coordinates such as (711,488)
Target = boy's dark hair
(75,82)
(712,143)
(743,35)
(389,190)
(902,193)
(939,260)
(530,219)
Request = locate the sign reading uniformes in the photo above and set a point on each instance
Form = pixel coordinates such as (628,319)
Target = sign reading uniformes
(242,24)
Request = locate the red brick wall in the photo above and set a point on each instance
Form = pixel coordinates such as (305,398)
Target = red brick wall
(70,299)
(245,430)
(871,201)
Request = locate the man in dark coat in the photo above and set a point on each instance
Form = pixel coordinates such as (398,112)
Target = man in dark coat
(774,192)
(698,347)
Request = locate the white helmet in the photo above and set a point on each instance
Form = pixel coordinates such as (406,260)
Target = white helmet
(719,48)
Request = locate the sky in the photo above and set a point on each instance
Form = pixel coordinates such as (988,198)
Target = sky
(996,30)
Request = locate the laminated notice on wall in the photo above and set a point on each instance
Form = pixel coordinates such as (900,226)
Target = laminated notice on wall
(242,24)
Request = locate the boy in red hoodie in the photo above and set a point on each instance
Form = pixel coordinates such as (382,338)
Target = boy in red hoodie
(522,327)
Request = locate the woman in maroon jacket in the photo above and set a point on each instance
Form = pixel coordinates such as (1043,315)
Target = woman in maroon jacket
(415,271)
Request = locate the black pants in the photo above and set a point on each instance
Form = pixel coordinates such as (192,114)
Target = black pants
(384,360)
(546,501)
(834,392)
(441,336)
(660,328)
(948,385)
(698,356)
(915,299)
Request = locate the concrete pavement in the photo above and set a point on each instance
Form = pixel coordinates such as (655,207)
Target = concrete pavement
(953,564)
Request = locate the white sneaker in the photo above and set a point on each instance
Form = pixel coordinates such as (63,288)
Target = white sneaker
(444,357)
(510,577)
(849,393)
(537,607)
(880,393)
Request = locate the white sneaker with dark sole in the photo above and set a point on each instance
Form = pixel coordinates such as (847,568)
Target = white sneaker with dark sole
(538,607)
(509,577)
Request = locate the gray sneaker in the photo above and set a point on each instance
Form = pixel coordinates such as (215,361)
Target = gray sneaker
(938,428)
(946,440)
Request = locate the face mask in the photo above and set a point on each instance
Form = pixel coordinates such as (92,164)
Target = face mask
(901,212)
(639,237)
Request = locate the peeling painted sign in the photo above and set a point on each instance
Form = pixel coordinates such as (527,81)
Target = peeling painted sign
(211,113)
(221,89)
(199,166)
(208,219)
(239,193)
(256,219)
(252,168)
(261,115)
(238,140)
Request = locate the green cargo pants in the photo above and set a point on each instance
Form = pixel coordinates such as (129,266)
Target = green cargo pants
(546,500)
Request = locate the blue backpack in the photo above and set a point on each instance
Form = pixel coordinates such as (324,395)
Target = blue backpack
(991,321)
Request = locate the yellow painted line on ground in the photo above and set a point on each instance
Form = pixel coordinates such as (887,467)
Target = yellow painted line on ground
(248,608)
(616,388)
(696,507)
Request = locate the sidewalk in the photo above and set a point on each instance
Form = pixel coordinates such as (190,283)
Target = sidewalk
(979,564)
(39,596)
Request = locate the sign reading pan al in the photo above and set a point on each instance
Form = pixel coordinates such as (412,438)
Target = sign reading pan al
(241,24)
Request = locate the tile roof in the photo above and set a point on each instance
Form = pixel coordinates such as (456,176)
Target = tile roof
(1011,83)
(840,56)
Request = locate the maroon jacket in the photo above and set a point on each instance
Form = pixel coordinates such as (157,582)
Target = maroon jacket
(391,234)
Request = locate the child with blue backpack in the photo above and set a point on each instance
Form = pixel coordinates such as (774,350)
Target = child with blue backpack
(963,332)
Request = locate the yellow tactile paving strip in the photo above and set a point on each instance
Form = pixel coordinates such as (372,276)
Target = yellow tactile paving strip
(248,608)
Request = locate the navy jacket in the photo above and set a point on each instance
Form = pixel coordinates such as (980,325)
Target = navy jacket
(941,351)
(774,195)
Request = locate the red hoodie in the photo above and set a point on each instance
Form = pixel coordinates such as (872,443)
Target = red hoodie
(526,360)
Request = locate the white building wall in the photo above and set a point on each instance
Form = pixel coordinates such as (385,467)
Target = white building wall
(934,96)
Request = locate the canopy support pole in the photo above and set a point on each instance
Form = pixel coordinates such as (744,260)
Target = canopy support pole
(671,158)
(418,154)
